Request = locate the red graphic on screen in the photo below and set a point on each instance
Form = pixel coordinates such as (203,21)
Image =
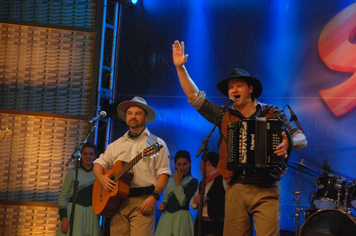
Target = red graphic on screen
(339,53)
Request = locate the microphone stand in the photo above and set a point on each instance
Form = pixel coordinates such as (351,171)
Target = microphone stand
(204,148)
(76,157)
(297,193)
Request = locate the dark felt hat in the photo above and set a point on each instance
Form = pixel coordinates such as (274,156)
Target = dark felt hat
(138,102)
(238,73)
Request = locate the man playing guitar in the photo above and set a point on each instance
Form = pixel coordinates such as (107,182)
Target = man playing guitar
(135,215)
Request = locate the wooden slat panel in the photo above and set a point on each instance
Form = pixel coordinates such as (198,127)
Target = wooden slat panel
(24,220)
(33,158)
(46,70)
(76,13)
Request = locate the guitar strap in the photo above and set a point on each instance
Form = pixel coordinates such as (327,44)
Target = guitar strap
(152,139)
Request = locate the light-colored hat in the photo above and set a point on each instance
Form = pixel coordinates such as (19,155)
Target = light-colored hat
(139,102)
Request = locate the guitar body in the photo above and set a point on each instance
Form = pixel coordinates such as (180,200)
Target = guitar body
(105,203)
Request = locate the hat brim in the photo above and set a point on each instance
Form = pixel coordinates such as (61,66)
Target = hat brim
(122,107)
(257,86)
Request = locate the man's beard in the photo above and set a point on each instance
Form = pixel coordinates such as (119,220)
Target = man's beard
(135,125)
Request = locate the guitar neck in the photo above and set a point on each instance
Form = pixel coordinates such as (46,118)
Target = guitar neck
(128,166)
(5,132)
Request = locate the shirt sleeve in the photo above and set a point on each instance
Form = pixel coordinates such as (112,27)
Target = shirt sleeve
(162,163)
(108,158)
(193,203)
(279,113)
(205,107)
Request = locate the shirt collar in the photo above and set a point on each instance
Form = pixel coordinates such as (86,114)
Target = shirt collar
(145,132)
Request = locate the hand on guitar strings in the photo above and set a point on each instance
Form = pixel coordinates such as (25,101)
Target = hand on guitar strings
(107,182)
(282,148)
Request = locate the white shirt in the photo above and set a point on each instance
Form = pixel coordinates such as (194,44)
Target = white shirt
(147,170)
(194,204)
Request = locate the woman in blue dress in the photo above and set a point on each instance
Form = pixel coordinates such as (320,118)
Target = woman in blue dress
(85,220)
(176,219)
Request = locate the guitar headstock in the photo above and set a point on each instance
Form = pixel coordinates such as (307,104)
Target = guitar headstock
(5,132)
(152,151)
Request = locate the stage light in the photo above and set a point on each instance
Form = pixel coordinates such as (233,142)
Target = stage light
(127,2)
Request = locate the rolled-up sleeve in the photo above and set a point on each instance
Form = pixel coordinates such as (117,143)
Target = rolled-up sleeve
(198,102)
(162,163)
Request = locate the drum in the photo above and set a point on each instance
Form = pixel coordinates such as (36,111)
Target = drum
(309,211)
(353,195)
(329,222)
(327,187)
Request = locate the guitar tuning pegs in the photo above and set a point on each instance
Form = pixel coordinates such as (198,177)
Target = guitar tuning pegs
(152,156)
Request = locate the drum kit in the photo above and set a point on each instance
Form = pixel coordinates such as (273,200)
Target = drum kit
(332,201)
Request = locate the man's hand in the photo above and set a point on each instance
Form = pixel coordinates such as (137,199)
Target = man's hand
(282,148)
(107,182)
(148,205)
(197,199)
(179,59)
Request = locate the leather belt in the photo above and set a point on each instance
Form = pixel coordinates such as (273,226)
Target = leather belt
(136,192)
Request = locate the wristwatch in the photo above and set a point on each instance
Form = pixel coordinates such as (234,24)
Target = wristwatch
(156,195)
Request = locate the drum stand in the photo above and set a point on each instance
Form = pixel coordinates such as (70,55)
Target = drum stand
(344,208)
(301,167)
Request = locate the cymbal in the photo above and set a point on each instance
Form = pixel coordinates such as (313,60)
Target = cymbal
(304,168)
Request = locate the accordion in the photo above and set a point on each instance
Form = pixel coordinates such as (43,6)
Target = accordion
(251,143)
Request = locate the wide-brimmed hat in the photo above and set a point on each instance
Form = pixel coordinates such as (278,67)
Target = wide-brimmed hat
(139,102)
(238,73)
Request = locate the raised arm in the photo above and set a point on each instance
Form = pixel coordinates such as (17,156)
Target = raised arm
(179,59)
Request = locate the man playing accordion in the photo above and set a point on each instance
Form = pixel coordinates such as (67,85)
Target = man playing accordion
(252,193)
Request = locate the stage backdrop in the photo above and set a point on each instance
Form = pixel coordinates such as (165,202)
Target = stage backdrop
(303,52)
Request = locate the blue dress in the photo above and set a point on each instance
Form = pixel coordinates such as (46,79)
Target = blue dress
(177,219)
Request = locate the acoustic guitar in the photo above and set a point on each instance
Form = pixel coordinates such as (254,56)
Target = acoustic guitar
(105,202)
(5,132)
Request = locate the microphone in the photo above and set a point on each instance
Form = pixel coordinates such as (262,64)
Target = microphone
(295,118)
(326,167)
(101,114)
(231,100)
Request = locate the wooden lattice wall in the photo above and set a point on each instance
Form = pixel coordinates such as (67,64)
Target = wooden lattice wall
(48,81)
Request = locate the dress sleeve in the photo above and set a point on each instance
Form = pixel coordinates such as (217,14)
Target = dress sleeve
(165,197)
(186,192)
(65,194)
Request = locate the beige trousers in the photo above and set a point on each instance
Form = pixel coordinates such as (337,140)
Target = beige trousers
(129,221)
(247,202)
